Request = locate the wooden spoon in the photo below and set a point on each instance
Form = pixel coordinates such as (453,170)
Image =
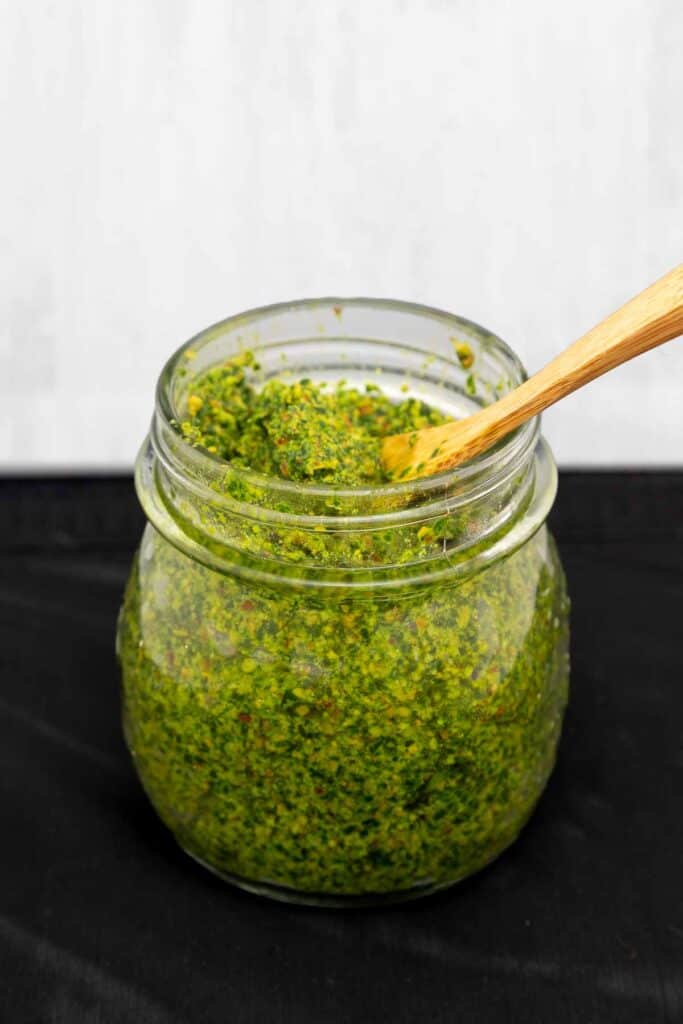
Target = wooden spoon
(648,320)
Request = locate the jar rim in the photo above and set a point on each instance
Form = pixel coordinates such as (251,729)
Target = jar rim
(205,465)
(239,521)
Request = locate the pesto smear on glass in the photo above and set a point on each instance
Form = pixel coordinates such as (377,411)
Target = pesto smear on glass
(328,742)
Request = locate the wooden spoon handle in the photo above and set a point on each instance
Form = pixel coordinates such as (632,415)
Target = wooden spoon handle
(651,318)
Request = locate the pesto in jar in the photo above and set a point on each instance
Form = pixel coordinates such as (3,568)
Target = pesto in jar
(300,431)
(340,743)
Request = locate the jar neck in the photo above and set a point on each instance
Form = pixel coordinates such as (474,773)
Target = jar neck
(415,532)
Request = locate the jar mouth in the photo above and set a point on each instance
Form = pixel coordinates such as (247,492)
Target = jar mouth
(239,521)
(243,327)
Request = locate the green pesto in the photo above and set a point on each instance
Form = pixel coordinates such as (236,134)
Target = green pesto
(338,743)
(299,431)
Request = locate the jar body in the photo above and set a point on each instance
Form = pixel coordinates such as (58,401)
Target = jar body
(335,748)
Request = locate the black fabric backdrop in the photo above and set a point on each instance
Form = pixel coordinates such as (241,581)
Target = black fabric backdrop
(103,920)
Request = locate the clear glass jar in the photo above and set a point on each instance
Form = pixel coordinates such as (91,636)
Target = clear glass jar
(345,695)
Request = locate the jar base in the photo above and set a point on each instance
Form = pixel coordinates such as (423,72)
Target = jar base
(283,894)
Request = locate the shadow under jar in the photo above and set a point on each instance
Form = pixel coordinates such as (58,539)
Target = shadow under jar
(345,696)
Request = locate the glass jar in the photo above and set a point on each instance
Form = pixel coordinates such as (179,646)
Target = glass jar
(345,695)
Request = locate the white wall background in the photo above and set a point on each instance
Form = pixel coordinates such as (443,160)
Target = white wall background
(168,162)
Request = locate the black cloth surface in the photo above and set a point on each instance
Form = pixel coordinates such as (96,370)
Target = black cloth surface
(104,920)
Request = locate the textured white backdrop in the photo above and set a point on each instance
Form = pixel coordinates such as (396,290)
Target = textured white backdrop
(169,162)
